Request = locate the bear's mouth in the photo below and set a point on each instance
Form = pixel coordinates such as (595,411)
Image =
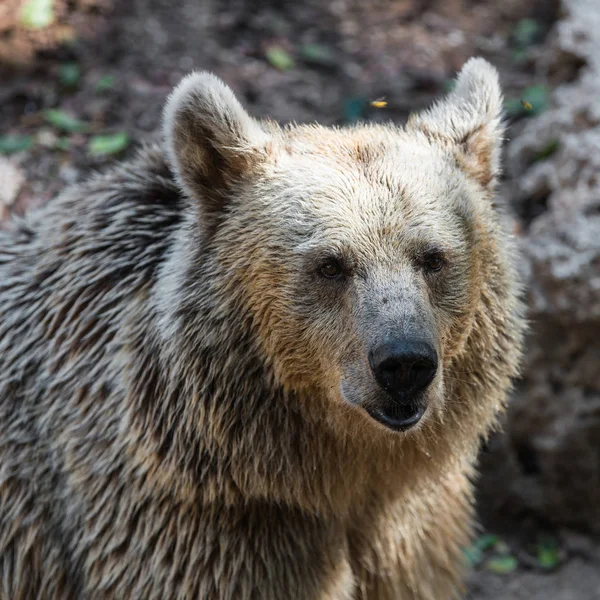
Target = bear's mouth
(397,417)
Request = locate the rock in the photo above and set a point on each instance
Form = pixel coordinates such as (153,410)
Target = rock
(548,462)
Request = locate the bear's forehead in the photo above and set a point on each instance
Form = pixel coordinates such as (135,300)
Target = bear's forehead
(369,187)
(375,172)
(372,157)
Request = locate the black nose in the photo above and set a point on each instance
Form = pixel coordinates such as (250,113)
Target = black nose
(404,367)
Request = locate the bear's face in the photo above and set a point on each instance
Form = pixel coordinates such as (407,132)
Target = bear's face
(356,250)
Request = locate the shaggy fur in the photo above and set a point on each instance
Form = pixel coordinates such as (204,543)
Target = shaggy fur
(182,396)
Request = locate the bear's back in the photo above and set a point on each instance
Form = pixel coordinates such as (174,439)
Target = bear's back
(69,271)
(71,274)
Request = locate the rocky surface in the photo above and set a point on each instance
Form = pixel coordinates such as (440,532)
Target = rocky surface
(548,463)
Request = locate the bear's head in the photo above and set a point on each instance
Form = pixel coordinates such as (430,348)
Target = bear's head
(359,253)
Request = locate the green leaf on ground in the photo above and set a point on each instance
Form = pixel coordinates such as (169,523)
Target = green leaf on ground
(501,565)
(9,144)
(520,56)
(537,96)
(547,557)
(547,552)
(64,121)
(353,108)
(69,74)
(106,82)
(318,54)
(37,14)
(475,553)
(279,58)
(526,32)
(111,143)
(486,541)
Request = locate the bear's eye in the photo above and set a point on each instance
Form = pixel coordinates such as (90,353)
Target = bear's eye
(433,262)
(331,269)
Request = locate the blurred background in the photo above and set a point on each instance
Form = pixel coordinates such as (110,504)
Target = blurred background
(82,83)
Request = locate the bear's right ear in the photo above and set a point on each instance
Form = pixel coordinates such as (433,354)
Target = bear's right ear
(211,140)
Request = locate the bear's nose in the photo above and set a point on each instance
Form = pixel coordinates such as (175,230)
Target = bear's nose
(404,367)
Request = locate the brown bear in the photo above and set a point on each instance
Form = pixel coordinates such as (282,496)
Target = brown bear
(255,362)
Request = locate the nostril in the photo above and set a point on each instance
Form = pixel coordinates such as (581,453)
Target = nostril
(422,372)
(405,371)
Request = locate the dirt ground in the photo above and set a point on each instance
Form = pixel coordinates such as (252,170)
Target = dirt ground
(303,61)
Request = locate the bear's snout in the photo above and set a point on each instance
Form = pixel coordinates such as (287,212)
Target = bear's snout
(404,369)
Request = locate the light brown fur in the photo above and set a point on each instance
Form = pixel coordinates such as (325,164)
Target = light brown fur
(182,398)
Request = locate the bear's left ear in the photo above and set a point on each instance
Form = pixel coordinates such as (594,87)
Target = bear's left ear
(211,140)
(469,120)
